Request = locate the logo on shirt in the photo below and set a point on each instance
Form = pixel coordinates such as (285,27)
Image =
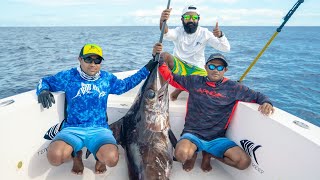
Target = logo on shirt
(198,43)
(210,93)
(88,89)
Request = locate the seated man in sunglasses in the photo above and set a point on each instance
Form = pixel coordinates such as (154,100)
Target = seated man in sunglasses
(86,89)
(189,42)
(210,103)
(188,53)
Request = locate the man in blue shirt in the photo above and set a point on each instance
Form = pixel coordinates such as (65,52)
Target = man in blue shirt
(86,125)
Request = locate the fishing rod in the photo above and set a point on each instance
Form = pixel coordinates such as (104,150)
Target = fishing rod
(164,24)
(286,18)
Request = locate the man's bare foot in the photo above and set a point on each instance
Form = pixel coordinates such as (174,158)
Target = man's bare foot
(100,168)
(205,164)
(188,165)
(77,164)
(174,95)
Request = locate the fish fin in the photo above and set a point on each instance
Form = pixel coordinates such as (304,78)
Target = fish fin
(172,138)
(116,128)
(88,154)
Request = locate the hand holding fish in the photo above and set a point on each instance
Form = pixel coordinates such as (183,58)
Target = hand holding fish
(157,49)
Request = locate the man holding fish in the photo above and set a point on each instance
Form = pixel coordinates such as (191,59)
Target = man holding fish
(210,104)
(86,125)
(188,58)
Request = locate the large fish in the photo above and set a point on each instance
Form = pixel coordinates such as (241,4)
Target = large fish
(145,134)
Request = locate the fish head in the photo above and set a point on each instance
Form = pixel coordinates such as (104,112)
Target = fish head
(155,103)
(145,132)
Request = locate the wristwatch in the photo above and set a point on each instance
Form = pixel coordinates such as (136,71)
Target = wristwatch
(222,34)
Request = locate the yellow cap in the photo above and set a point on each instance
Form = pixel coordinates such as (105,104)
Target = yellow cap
(91,49)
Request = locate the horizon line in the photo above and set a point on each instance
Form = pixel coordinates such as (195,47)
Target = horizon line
(154,26)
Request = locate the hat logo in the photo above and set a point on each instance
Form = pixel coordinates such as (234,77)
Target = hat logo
(93,47)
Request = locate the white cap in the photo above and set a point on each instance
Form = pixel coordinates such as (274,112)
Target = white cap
(190,8)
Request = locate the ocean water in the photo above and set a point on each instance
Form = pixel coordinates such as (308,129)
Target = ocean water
(288,72)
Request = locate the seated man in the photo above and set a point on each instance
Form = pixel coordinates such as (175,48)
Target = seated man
(86,125)
(190,41)
(210,103)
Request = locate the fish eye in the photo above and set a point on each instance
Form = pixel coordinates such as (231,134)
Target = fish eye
(151,94)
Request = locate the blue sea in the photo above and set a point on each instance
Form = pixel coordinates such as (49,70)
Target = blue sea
(288,72)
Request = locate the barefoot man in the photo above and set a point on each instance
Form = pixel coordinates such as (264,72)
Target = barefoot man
(188,57)
(210,103)
(86,89)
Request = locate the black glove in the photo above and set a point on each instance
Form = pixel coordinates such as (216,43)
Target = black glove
(46,98)
(151,64)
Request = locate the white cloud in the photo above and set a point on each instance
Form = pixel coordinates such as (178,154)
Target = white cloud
(309,14)
(61,3)
(210,15)
(139,13)
(249,17)
(224,1)
(56,2)
(197,2)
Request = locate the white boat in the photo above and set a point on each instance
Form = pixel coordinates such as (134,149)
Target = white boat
(286,147)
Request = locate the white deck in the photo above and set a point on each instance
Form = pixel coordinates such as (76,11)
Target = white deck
(119,172)
(288,151)
(37,167)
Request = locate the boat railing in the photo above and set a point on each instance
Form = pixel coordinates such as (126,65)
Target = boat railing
(6,103)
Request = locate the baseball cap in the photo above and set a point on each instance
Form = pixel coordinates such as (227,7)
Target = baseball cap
(218,56)
(190,8)
(91,49)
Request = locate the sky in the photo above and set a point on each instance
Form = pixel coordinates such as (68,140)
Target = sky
(147,12)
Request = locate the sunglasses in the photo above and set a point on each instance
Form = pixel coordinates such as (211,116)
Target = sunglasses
(213,67)
(188,17)
(89,60)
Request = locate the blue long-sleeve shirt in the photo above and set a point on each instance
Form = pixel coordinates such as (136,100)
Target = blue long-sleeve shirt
(87,100)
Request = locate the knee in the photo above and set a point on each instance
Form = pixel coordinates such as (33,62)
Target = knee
(113,158)
(57,157)
(243,163)
(183,155)
(110,158)
(164,55)
(167,57)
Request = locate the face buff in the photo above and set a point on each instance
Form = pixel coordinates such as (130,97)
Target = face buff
(88,77)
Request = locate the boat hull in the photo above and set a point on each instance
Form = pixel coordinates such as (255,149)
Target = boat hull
(279,148)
